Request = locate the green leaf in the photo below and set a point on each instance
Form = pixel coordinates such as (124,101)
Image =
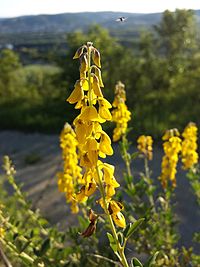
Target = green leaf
(45,246)
(120,237)
(151,260)
(135,155)
(132,228)
(135,262)
(113,244)
(125,232)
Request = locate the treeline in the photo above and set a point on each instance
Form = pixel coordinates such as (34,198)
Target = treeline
(161,74)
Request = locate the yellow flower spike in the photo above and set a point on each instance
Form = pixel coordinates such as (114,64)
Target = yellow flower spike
(93,142)
(120,115)
(71,175)
(77,94)
(105,144)
(189,146)
(119,219)
(96,57)
(89,114)
(145,146)
(96,87)
(172,147)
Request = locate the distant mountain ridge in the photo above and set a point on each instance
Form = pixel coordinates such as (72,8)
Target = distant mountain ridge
(40,30)
(69,22)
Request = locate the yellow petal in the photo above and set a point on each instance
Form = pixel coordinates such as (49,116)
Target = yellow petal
(85,85)
(105,113)
(89,114)
(91,144)
(96,87)
(80,196)
(90,188)
(115,207)
(77,94)
(79,52)
(96,57)
(110,191)
(105,144)
(105,103)
(98,74)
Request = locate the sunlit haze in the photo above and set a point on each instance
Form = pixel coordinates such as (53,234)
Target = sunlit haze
(12,8)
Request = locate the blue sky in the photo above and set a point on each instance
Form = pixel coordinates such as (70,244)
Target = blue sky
(12,8)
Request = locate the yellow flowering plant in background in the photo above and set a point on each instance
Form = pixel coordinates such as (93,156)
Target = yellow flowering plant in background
(172,148)
(189,146)
(120,114)
(71,177)
(145,146)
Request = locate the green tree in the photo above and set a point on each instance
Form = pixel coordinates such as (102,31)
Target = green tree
(9,62)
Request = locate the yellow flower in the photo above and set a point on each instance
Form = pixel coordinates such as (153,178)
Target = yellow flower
(145,146)
(77,94)
(119,219)
(121,114)
(189,146)
(172,147)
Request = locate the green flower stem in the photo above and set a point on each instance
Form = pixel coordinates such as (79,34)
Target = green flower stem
(4,258)
(120,248)
(148,180)
(30,213)
(89,76)
(126,155)
(13,250)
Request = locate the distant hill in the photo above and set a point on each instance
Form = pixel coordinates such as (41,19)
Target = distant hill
(46,30)
(69,22)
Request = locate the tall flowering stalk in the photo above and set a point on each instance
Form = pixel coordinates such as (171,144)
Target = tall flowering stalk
(71,177)
(172,148)
(189,146)
(190,157)
(121,116)
(145,147)
(94,143)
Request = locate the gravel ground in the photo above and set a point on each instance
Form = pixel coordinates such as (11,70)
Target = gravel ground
(40,183)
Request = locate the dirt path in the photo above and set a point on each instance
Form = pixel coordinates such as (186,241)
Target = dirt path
(40,181)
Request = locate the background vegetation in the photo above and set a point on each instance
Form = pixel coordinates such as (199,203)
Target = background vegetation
(160,68)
